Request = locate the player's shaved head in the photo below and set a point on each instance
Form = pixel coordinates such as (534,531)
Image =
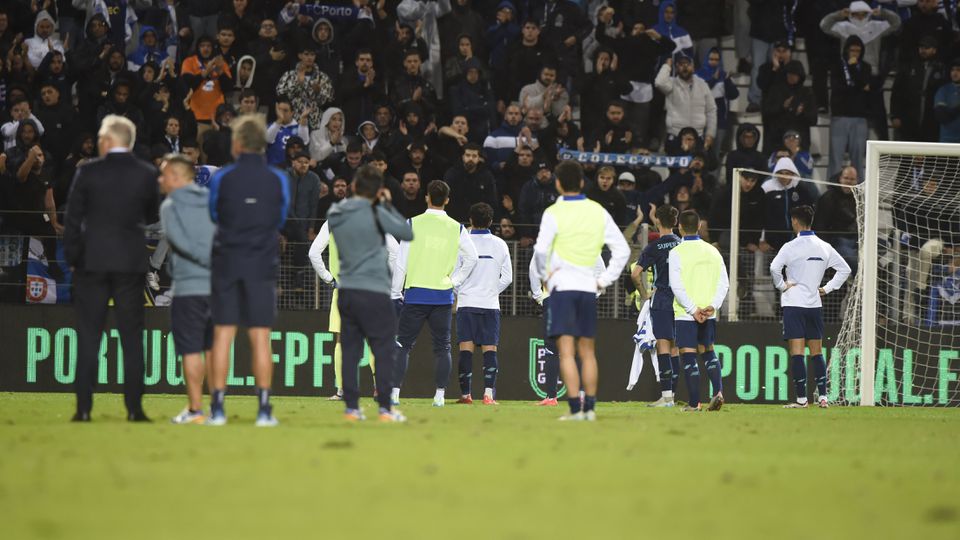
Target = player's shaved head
(689,222)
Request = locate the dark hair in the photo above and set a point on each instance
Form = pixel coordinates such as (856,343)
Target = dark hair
(803,214)
(283,99)
(354,146)
(570,175)
(617,103)
(667,215)
(247,92)
(473,146)
(367,181)
(363,50)
(438,191)
(189,143)
(376,155)
(481,215)
(410,52)
(689,221)
(548,65)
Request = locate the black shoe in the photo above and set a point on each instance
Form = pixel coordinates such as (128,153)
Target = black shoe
(744,66)
(81,417)
(138,417)
(753,108)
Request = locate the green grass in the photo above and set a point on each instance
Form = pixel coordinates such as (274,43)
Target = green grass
(477,472)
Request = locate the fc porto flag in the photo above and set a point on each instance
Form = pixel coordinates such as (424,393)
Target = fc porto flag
(41,288)
(626,160)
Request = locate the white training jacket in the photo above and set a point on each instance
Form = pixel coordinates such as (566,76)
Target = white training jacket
(807,258)
(321,242)
(490,277)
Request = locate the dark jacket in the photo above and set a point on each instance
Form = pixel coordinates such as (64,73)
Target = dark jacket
(751,214)
(468,188)
(639,57)
(534,199)
(111,200)
(357,101)
(778,201)
(248,202)
(849,95)
(912,99)
(746,158)
(919,25)
(477,103)
(702,18)
(771,20)
(611,200)
(836,213)
(779,118)
(304,197)
(359,228)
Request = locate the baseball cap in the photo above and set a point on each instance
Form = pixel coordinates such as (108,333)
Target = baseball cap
(295,140)
(543,165)
(302,154)
(627,177)
(681,57)
(791,134)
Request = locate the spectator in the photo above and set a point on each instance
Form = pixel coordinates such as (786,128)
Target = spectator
(722,88)
(170,140)
(413,88)
(42,41)
(308,88)
(249,102)
(53,69)
(499,38)
(282,129)
(752,212)
(150,49)
(455,67)
(746,155)
(217,145)
(473,99)
(415,158)
(627,185)
(31,169)
(774,71)
(60,118)
(461,22)
(425,15)
(506,229)
(412,200)
(850,106)
(606,195)
(563,29)
(470,182)
(206,77)
(914,92)
(947,106)
(688,102)
(614,135)
(246,75)
(667,26)
(836,217)
(328,53)
(120,104)
(304,198)
(783,193)
(562,134)
(346,164)
(605,84)
(771,21)
(367,134)
(451,139)
(546,94)
(329,138)
(239,14)
(503,140)
(789,106)
(926,20)
(360,90)
(524,59)
(517,171)
(793,149)
(535,197)
(705,20)
(405,40)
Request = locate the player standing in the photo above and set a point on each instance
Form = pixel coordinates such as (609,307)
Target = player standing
(551,366)
(429,274)
(806,258)
(573,231)
(699,282)
(478,304)
(655,257)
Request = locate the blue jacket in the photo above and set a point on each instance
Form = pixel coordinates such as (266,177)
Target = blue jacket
(187,226)
(248,202)
(947,108)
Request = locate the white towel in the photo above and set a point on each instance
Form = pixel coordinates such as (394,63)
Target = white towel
(645,341)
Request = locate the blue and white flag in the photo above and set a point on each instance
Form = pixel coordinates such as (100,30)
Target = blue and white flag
(628,160)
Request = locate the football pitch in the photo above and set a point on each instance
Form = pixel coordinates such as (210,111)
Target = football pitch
(510,472)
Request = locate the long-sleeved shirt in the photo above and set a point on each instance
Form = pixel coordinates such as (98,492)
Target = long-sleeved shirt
(689,103)
(466,254)
(691,266)
(807,259)
(277,135)
(362,249)
(563,275)
(322,241)
(9,131)
(492,275)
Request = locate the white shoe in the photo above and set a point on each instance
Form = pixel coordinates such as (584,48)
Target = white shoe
(575,417)
(662,402)
(153,280)
(824,404)
(187,417)
(216,420)
(590,416)
(438,401)
(266,420)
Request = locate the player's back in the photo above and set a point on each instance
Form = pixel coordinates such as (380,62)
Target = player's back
(432,255)
(807,259)
(701,271)
(482,287)
(656,256)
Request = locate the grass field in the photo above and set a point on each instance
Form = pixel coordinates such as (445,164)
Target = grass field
(509,472)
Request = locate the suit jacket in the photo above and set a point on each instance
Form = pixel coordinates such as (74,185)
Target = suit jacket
(111,200)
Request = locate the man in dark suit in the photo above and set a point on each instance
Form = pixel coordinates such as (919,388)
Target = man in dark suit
(110,201)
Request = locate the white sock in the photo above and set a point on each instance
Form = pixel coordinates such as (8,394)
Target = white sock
(802,400)
(488,392)
(395,394)
(668,394)
(439,394)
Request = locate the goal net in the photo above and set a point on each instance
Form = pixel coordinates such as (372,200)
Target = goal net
(893,330)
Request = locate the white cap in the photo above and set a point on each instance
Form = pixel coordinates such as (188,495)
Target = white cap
(627,177)
(785,164)
(859,6)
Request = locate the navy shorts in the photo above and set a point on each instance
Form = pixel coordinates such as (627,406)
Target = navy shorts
(244,302)
(691,333)
(572,313)
(663,324)
(481,326)
(802,323)
(191,323)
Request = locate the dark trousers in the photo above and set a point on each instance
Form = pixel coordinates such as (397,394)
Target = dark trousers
(366,315)
(412,318)
(92,292)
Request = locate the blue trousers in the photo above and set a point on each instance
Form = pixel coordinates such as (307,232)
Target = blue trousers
(412,319)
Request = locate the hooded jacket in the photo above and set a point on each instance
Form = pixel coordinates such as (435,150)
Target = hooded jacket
(799,115)
(702,18)
(745,157)
(359,228)
(253,72)
(498,37)
(683,43)
(144,54)
(780,199)
(535,198)
(467,188)
(723,89)
(772,20)
(371,144)
(186,224)
(913,96)
(462,20)
(329,59)
(688,103)
(871,32)
(849,96)
(836,213)
(37,47)
(320,146)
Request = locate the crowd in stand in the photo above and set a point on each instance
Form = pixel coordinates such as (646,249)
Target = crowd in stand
(482,94)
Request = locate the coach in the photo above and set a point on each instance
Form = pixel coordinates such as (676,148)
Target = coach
(111,200)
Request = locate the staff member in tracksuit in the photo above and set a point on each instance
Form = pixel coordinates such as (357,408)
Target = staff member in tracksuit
(248,202)
(806,258)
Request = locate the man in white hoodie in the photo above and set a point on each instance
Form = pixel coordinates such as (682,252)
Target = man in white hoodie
(857,20)
(42,41)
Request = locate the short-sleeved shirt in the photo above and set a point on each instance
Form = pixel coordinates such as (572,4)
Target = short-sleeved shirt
(655,256)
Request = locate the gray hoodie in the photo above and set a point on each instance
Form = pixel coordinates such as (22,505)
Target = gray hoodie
(185,219)
(360,243)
